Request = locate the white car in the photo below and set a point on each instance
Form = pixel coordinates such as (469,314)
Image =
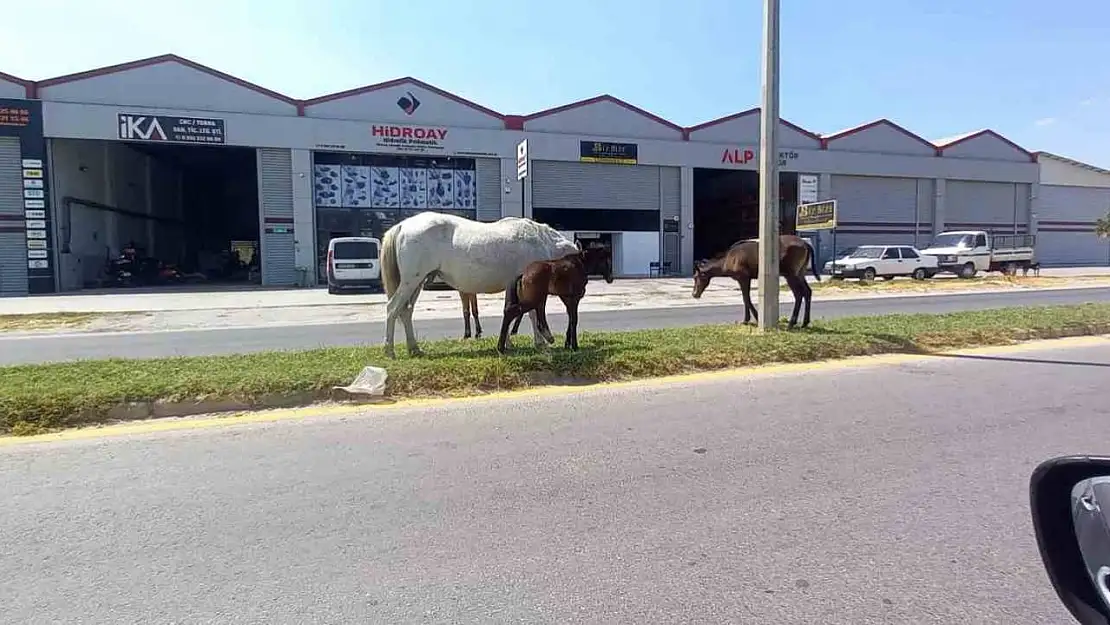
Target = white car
(867,262)
(844,253)
(352,262)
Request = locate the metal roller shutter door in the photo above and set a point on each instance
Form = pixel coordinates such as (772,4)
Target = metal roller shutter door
(887,205)
(985,205)
(1066,217)
(489,188)
(574,185)
(275,192)
(670,185)
(13,245)
(1082,249)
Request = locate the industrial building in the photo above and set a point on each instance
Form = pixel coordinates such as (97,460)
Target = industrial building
(232,181)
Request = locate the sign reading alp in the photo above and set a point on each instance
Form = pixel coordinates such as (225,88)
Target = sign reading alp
(816,216)
(743,156)
(170,129)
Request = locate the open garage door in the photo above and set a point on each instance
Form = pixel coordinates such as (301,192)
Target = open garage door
(156,214)
(726,208)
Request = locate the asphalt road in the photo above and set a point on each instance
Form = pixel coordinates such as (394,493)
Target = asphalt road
(854,495)
(78,346)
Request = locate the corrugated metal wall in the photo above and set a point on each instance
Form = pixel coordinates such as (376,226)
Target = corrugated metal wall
(570,184)
(986,206)
(489,188)
(13,240)
(275,192)
(874,210)
(670,208)
(1066,217)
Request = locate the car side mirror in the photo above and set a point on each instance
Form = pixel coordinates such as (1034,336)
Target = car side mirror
(1069,498)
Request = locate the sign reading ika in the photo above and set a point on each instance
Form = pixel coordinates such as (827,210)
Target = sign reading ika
(409,138)
(743,156)
(170,129)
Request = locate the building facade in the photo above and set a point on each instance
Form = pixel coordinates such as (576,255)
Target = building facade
(1073,195)
(360,160)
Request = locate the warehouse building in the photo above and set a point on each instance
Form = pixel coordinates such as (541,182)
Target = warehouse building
(233,182)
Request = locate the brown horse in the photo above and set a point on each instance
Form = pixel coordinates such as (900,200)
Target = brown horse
(741,263)
(470,307)
(565,278)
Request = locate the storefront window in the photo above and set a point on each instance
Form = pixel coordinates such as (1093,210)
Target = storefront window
(366,194)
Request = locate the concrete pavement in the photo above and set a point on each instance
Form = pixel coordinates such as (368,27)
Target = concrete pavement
(188,308)
(203,342)
(790,496)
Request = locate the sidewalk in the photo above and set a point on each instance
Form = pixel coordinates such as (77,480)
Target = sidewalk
(154,311)
(632,291)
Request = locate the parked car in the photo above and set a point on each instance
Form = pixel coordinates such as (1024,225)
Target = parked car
(844,253)
(353,263)
(967,252)
(867,262)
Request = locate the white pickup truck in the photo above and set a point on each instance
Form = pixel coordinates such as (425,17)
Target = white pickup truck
(967,252)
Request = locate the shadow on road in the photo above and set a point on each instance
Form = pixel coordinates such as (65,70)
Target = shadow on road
(1036,361)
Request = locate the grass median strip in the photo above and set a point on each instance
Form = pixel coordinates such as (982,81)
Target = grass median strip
(36,398)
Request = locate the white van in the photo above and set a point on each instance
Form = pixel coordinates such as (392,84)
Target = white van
(353,263)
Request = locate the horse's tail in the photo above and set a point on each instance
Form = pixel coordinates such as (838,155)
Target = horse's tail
(813,260)
(391,272)
(512,298)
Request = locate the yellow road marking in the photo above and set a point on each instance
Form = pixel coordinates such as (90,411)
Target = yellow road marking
(290,414)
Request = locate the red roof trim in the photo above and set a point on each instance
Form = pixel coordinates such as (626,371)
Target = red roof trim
(605,98)
(331,97)
(28,86)
(157,60)
(878,122)
(751,111)
(986,132)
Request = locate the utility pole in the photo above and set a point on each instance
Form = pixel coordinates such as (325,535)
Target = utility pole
(769,172)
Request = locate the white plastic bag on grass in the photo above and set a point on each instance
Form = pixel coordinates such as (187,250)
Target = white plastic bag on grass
(370,382)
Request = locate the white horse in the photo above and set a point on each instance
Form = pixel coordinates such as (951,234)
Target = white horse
(471,256)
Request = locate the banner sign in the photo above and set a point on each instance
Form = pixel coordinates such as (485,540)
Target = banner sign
(170,128)
(28,212)
(816,216)
(605,152)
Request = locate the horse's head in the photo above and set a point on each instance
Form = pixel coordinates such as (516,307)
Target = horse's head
(598,261)
(703,273)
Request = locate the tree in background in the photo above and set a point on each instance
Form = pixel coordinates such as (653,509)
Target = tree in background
(1102,227)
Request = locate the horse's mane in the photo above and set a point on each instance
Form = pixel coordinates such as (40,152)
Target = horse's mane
(542,231)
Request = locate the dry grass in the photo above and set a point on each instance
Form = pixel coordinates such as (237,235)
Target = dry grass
(45,321)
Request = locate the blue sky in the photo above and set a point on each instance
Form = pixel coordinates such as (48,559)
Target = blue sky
(938,67)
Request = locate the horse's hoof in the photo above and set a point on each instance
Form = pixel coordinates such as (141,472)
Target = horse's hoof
(466,336)
(415,352)
(390,354)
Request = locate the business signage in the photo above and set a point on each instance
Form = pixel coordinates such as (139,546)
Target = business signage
(15,113)
(170,128)
(743,156)
(409,138)
(22,119)
(522,160)
(808,185)
(816,216)
(606,152)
